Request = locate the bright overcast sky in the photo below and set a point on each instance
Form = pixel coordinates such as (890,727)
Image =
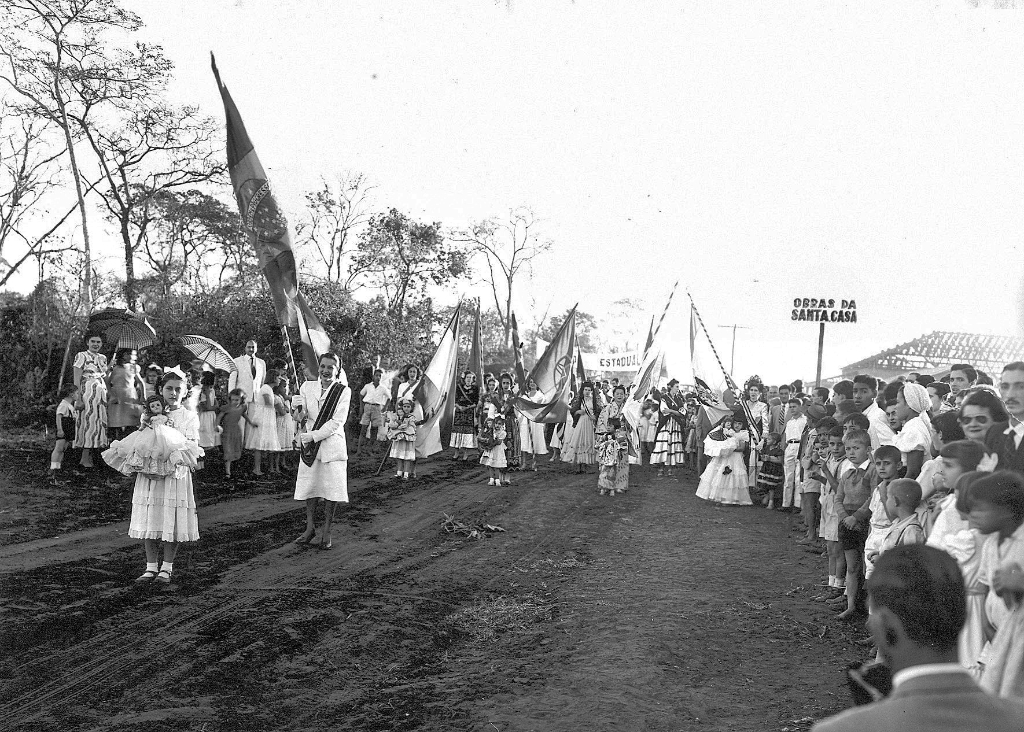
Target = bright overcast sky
(756,156)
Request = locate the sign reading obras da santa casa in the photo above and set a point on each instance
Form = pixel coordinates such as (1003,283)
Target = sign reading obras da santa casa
(824,310)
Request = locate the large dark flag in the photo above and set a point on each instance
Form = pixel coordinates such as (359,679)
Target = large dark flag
(267,229)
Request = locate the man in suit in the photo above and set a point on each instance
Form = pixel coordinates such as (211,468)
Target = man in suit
(917,607)
(1006,439)
(777,414)
(250,374)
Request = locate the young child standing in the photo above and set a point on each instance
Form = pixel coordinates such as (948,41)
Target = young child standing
(997,511)
(725,477)
(209,438)
(888,460)
(373,397)
(902,497)
(836,465)
(853,498)
(285,427)
(771,475)
(164,506)
(648,431)
(402,433)
(65,423)
(230,424)
(492,442)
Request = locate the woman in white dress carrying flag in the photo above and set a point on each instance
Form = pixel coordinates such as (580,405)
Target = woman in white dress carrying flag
(323,469)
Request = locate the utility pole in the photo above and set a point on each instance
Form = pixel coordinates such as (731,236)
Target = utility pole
(732,358)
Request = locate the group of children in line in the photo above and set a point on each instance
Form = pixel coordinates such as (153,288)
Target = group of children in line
(265,426)
(854,500)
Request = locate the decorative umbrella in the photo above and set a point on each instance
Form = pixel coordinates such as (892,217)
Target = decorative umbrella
(129,329)
(209,351)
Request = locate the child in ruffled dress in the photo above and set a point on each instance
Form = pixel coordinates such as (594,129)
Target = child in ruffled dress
(156,449)
(725,478)
(492,442)
(402,433)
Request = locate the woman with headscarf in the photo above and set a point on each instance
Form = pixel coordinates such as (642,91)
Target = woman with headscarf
(90,370)
(915,439)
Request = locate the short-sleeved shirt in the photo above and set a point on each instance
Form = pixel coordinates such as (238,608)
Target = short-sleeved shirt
(379,395)
(915,435)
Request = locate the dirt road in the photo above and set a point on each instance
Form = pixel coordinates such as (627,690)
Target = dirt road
(648,611)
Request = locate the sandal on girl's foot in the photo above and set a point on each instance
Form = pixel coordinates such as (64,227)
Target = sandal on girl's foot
(328,545)
(148,576)
(163,577)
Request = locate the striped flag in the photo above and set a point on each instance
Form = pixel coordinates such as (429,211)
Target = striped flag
(435,392)
(654,329)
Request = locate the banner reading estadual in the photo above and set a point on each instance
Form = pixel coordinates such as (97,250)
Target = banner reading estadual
(622,361)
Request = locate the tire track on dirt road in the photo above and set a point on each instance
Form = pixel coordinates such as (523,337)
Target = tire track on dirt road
(120,656)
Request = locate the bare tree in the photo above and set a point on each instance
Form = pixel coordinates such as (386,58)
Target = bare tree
(30,172)
(56,57)
(506,246)
(157,149)
(334,213)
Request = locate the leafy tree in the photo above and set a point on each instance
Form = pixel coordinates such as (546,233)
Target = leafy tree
(586,329)
(400,257)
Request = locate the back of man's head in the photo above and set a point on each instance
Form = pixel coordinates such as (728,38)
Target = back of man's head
(923,587)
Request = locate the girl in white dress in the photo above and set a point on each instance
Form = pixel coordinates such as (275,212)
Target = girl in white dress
(531,434)
(285,427)
(164,506)
(725,478)
(262,437)
(402,433)
(578,449)
(492,443)
(209,437)
(156,449)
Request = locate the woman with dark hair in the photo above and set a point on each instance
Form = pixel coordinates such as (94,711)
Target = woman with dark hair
(585,410)
(725,479)
(669,448)
(758,412)
(464,425)
(90,370)
(979,411)
(507,411)
(124,385)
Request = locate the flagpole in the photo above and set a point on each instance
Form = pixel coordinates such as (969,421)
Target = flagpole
(291,357)
(728,378)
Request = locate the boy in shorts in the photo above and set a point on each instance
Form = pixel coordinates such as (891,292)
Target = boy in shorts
(853,506)
(372,399)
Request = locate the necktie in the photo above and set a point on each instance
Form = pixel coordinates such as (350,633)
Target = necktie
(252,366)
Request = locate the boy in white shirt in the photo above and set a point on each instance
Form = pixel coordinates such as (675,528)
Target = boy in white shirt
(372,399)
